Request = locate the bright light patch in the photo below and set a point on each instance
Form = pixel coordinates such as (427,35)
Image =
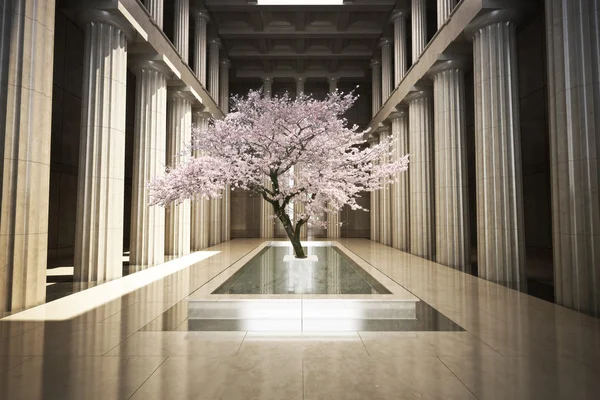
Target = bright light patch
(300,2)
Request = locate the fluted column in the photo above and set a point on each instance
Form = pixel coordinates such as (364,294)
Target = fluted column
(149,157)
(419,28)
(26,61)
(385,236)
(573,42)
(399,19)
(213,68)
(181,28)
(453,241)
(334,229)
(178,219)
(200,207)
(216,216)
(386,69)
(444,9)
(400,190)
(299,206)
(100,180)
(267,225)
(375,86)
(374,210)
(224,103)
(421,200)
(156,10)
(201,20)
(500,227)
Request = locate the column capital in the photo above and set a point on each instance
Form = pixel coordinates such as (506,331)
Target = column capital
(333,79)
(199,13)
(139,63)
(385,42)
(454,64)
(300,79)
(226,63)
(181,92)
(85,16)
(401,112)
(215,42)
(267,79)
(514,15)
(375,63)
(200,112)
(400,14)
(417,93)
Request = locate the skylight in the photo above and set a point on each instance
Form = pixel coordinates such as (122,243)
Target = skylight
(300,2)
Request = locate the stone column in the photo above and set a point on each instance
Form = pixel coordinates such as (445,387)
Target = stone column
(267,224)
(572,36)
(201,20)
(216,216)
(224,103)
(386,69)
(334,228)
(100,186)
(453,241)
(444,9)
(500,227)
(26,61)
(149,146)
(399,19)
(178,219)
(375,86)
(385,236)
(400,190)
(200,225)
(421,174)
(299,206)
(374,209)
(156,10)
(213,68)
(181,28)
(419,28)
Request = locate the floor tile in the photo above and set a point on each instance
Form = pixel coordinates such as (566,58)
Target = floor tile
(243,378)
(88,378)
(201,344)
(518,378)
(380,378)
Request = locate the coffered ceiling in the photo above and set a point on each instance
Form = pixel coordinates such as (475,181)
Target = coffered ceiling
(311,41)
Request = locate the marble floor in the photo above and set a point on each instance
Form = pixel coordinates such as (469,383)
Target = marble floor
(513,346)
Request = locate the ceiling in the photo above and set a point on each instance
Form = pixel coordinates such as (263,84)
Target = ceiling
(310,41)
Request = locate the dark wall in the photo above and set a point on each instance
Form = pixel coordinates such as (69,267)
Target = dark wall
(533,93)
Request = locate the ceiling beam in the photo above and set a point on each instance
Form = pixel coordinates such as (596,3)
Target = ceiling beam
(246,33)
(279,54)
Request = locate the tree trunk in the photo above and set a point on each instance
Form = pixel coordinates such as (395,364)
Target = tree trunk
(289,229)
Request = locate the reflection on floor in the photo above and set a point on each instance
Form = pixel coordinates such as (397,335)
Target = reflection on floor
(513,346)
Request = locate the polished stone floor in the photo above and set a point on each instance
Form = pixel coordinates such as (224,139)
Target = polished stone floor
(513,346)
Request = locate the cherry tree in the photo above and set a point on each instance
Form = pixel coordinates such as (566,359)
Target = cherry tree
(262,144)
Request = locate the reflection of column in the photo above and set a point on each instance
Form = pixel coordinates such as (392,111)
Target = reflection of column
(298,205)
(148,223)
(100,186)
(181,34)
(374,212)
(266,273)
(399,18)
(384,196)
(267,225)
(224,103)
(200,207)
(213,69)
(375,86)
(333,271)
(572,35)
(26,52)
(386,68)
(444,9)
(179,118)
(400,190)
(201,20)
(453,241)
(500,227)
(155,8)
(419,28)
(421,174)
(333,218)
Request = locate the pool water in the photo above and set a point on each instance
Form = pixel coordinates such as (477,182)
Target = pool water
(333,273)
